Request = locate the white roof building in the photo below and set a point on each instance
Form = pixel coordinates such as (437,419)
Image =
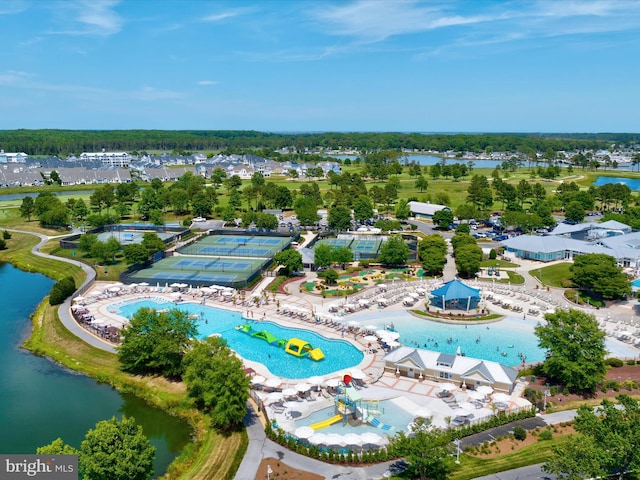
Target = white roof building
(112,159)
(8,157)
(421,209)
(472,372)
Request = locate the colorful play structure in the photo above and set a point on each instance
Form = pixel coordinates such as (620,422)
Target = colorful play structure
(294,346)
(351,408)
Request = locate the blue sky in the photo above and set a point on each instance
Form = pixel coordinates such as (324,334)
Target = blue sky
(364,65)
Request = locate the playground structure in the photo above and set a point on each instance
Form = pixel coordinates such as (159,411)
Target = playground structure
(294,346)
(351,408)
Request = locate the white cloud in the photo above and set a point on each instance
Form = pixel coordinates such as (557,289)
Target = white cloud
(12,7)
(374,21)
(87,17)
(207,82)
(368,22)
(236,12)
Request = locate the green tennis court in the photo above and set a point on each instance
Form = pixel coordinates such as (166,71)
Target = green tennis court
(237,246)
(199,271)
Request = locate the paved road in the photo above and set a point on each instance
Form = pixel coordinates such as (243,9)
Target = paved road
(64,311)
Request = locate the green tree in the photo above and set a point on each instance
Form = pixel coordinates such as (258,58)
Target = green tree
(394,251)
(87,241)
(152,242)
(600,275)
(290,259)
(306,210)
(216,381)
(479,192)
(27,208)
(422,183)
(57,447)
(331,277)
(574,212)
(403,211)
(606,446)
(433,260)
(433,241)
(340,218)
(342,255)
(136,253)
(80,209)
(428,452)
(443,218)
(322,255)
(155,342)
(468,259)
(362,208)
(576,349)
(106,251)
(116,450)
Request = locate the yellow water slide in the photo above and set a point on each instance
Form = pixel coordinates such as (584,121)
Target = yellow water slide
(326,423)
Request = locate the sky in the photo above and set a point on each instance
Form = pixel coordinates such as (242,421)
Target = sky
(321,65)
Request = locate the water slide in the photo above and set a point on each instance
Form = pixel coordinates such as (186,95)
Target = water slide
(326,423)
(375,422)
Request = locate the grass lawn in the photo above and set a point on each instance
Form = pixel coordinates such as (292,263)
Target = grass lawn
(553,275)
(472,467)
(498,264)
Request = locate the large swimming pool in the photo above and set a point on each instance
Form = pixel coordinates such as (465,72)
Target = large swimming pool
(339,354)
(500,342)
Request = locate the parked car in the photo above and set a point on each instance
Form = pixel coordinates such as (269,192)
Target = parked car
(199,219)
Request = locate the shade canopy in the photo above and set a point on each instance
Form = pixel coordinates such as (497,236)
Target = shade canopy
(485,389)
(455,294)
(304,432)
(273,382)
(332,382)
(289,392)
(303,387)
(257,380)
(501,397)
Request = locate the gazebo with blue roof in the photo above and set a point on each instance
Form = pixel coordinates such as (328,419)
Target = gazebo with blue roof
(455,295)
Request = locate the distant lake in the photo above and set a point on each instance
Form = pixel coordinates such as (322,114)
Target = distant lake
(632,183)
(42,400)
(432,160)
(19,196)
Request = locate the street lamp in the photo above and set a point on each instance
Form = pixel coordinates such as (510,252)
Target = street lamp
(457,444)
(546,394)
(269,472)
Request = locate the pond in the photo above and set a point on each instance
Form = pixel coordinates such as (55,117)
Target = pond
(42,401)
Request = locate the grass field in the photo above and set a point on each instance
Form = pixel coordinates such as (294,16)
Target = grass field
(553,275)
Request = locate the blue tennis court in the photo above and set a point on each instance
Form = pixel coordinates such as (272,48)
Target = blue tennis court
(237,246)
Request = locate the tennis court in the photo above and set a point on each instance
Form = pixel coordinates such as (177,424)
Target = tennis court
(198,271)
(363,248)
(237,246)
(127,237)
(336,242)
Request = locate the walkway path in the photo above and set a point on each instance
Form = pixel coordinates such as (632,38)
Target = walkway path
(64,311)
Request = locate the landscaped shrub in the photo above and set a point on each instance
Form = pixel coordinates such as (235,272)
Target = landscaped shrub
(3,244)
(61,290)
(614,362)
(6,235)
(545,434)
(631,362)
(492,254)
(519,433)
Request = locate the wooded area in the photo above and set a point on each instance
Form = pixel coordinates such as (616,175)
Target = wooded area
(65,142)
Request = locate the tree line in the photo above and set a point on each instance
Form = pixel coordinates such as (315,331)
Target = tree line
(65,142)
